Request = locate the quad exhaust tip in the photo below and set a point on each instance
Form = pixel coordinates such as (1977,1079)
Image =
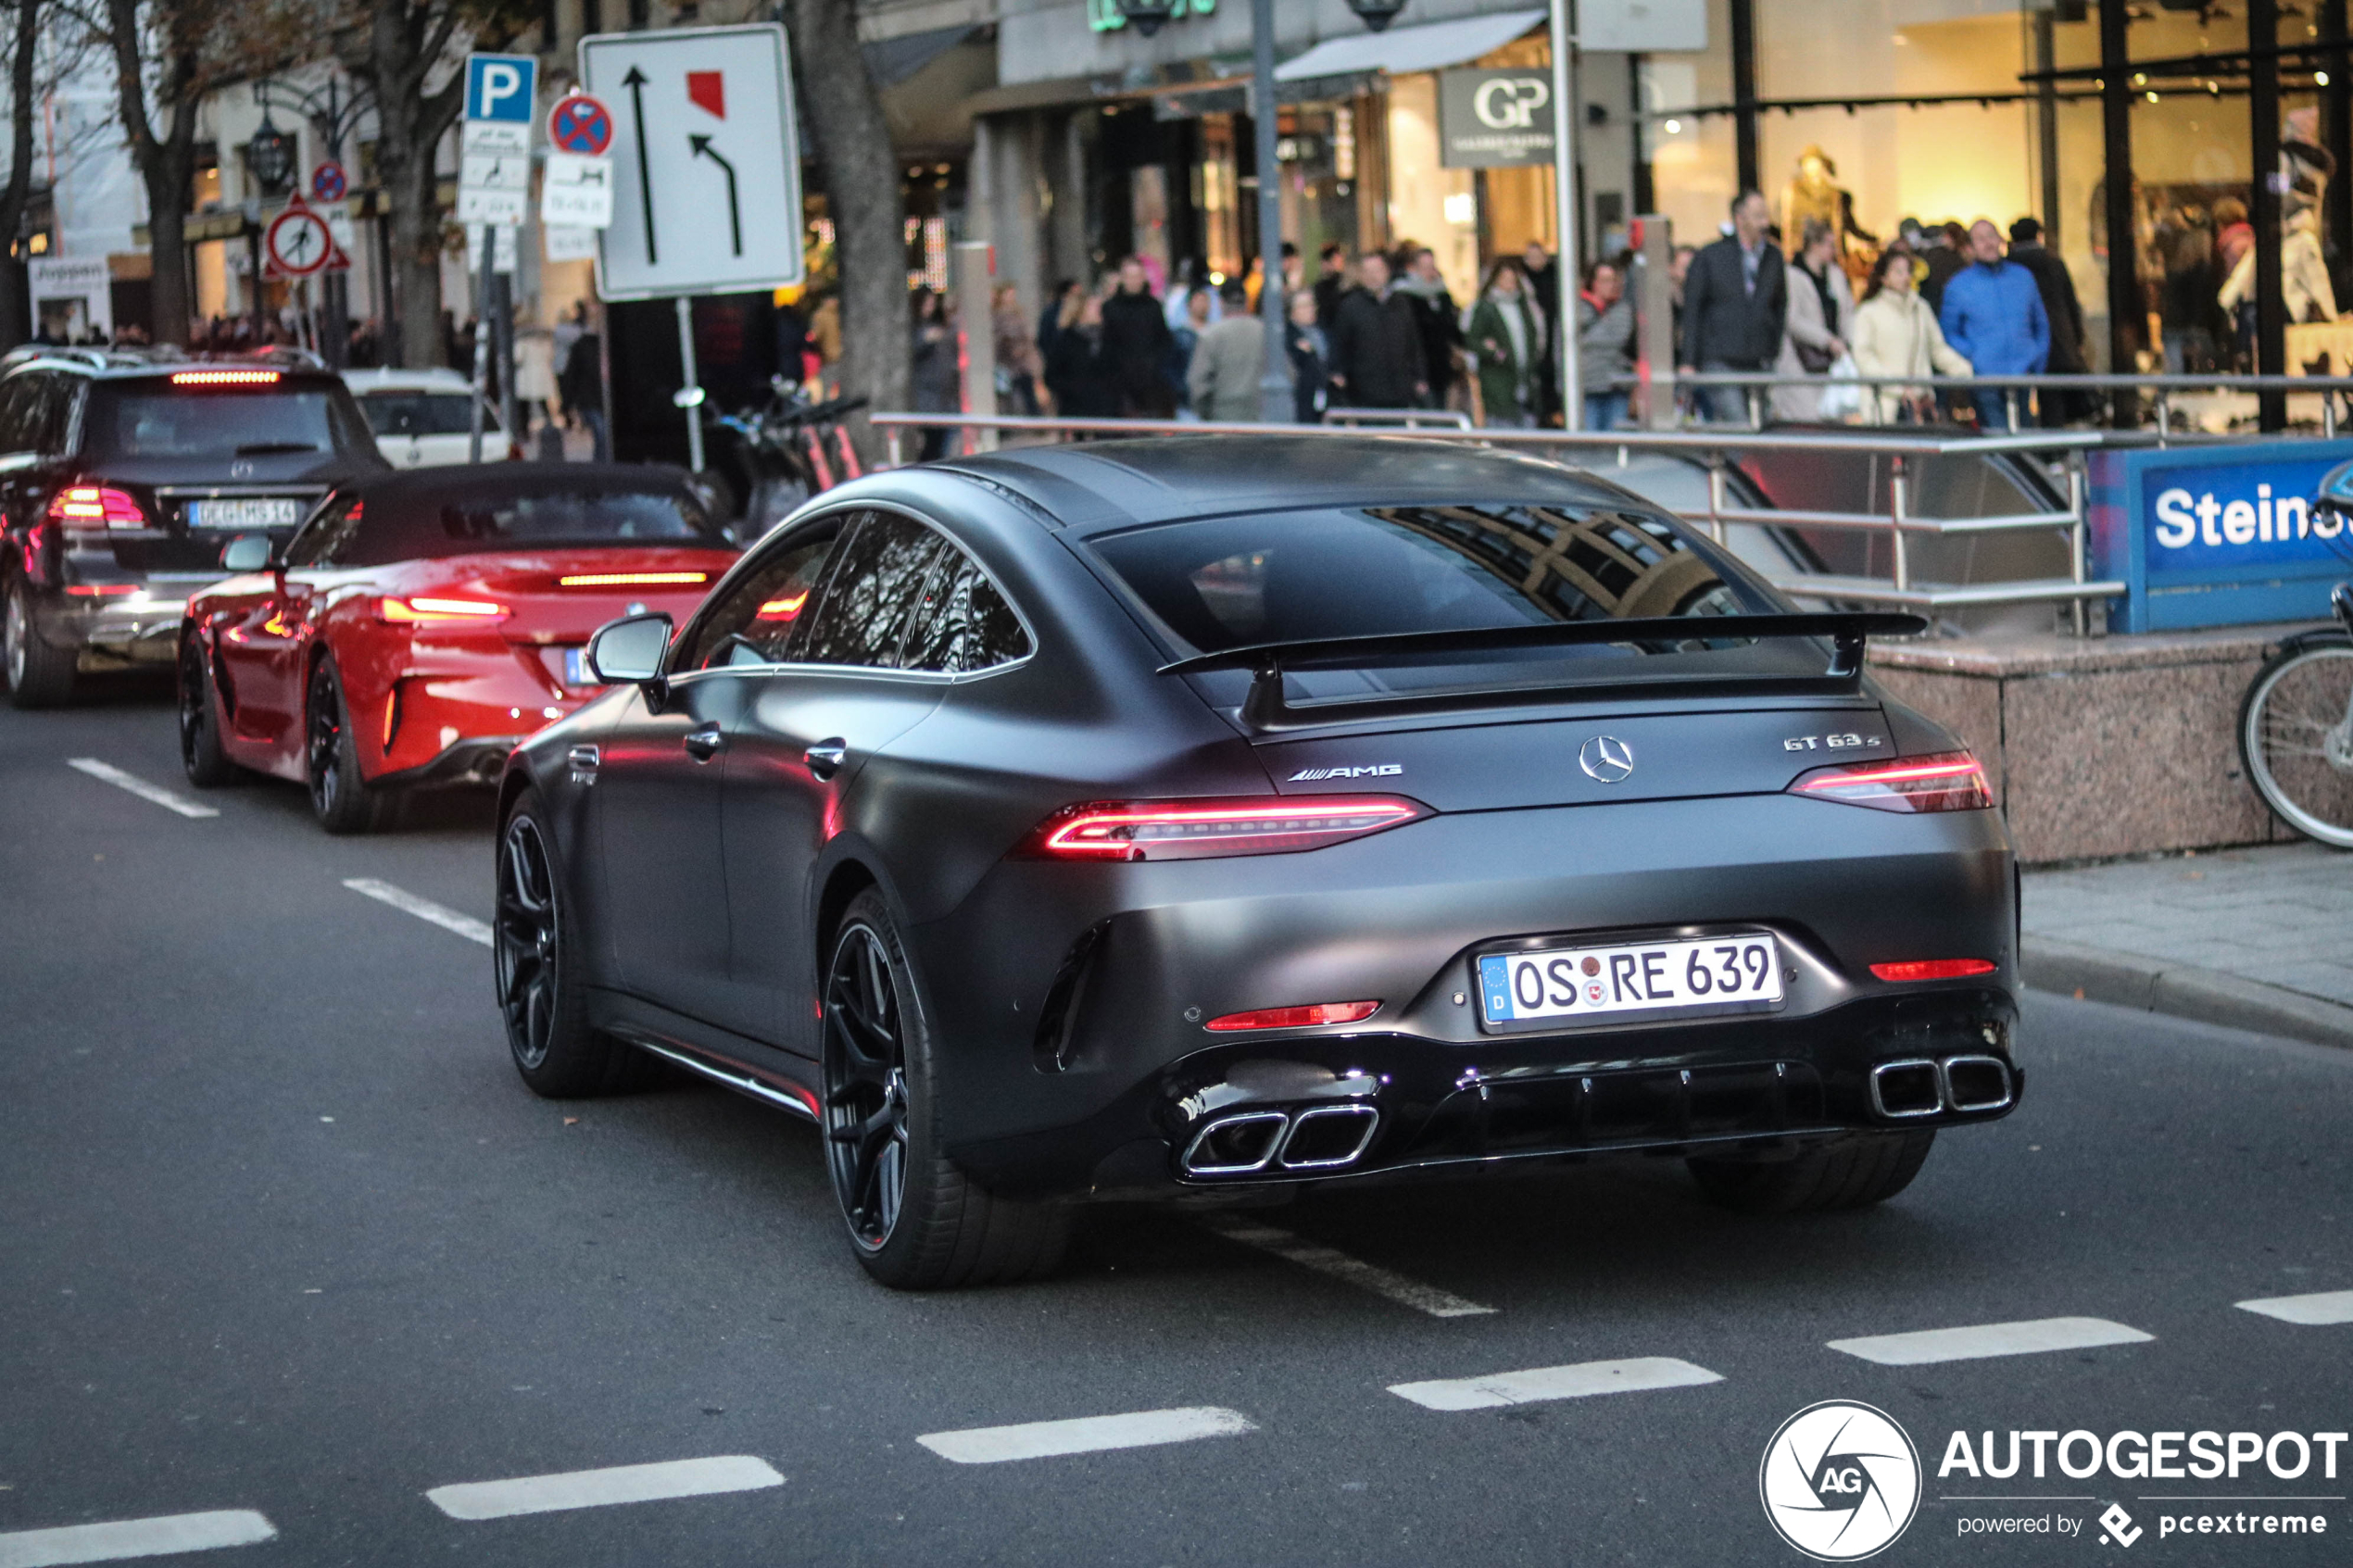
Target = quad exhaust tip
(1908,1090)
(1321,1138)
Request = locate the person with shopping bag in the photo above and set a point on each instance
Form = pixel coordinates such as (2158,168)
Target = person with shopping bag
(1897,334)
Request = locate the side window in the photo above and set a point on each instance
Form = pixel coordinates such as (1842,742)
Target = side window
(964,624)
(15,407)
(756,620)
(65,409)
(325,538)
(871,593)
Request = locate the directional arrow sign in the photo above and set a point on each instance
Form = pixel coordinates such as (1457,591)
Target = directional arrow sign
(699,115)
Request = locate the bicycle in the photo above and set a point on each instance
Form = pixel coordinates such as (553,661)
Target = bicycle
(2295,722)
(767,460)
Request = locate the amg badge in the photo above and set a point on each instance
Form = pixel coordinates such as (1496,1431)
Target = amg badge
(1370,771)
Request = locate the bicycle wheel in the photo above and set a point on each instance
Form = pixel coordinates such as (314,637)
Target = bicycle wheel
(2296,735)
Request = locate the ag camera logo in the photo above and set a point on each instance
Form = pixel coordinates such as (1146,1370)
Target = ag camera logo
(1840,1481)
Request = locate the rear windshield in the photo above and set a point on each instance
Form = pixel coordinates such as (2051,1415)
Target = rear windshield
(482,519)
(421,413)
(1285,577)
(204,422)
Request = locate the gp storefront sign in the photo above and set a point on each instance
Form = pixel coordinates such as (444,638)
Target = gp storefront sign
(2217,535)
(1494,118)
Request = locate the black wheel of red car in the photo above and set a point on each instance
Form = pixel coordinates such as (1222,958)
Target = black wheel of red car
(339,795)
(540,993)
(916,1222)
(39,675)
(201,758)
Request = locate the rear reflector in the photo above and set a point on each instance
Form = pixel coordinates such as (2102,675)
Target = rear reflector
(1295,1018)
(1948,781)
(1190,829)
(1932,968)
(91,508)
(100,590)
(418,609)
(630,578)
(223,378)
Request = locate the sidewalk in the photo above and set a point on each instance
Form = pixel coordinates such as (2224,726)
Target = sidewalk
(2258,938)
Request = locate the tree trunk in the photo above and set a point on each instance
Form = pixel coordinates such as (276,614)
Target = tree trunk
(167,165)
(404,37)
(845,117)
(16,298)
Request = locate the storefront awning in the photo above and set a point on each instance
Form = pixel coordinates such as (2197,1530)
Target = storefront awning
(1401,49)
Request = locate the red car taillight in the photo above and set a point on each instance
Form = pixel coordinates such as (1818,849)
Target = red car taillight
(1295,1018)
(1932,968)
(223,378)
(413,610)
(1948,781)
(89,508)
(1193,830)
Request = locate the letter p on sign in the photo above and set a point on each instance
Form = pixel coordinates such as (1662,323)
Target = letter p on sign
(499,87)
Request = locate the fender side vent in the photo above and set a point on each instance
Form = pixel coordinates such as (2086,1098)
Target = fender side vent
(1056,1045)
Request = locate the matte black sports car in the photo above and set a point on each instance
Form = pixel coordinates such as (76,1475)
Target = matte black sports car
(1144,817)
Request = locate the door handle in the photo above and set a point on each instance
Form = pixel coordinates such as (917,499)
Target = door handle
(826,757)
(702,745)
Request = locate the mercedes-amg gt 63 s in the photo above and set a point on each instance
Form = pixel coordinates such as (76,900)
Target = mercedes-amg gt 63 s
(1214,816)
(422,622)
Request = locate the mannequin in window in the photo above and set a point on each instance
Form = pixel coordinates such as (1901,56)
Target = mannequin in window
(1813,192)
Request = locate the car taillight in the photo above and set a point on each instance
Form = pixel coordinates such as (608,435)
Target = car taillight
(223,378)
(414,609)
(1946,781)
(1932,968)
(1191,830)
(91,508)
(783,609)
(1295,1018)
(100,590)
(630,578)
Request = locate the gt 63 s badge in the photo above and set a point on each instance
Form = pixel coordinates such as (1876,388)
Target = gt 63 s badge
(1840,1481)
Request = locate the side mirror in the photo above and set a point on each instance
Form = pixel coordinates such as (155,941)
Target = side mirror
(630,649)
(247,552)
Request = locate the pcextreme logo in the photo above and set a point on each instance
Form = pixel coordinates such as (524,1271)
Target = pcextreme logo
(1840,1481)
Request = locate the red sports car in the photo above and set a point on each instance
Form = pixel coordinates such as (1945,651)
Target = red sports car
(422,622)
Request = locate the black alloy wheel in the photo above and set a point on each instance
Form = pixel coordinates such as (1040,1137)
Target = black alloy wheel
(528,940)
(39,675)
(201,757)
(339,796)
(866,1066)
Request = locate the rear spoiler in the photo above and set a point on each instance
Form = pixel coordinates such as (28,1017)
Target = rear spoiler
(1265,709)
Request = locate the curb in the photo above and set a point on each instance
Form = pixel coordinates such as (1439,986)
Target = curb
(2206,995)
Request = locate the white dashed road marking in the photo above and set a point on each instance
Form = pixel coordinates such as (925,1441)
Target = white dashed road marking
(1340,1265)
(1540,1382)
(1990,1339)
(602,1488)
(109,773)
(133,1538)
(1041,1439)
(2315,1311)
(409,903)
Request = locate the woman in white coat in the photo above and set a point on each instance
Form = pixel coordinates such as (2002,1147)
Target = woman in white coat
(1897,334)
(1815,323)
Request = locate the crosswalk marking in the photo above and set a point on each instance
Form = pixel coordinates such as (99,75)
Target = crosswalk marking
(107,772)
(409,903)
(1983,1340)
(2318,1309)
(1093,1433)
(123,1539)
(1577,1382)
(602,1488)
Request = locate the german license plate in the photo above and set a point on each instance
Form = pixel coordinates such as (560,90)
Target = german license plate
(577,670)
(245,512)
(1638,980)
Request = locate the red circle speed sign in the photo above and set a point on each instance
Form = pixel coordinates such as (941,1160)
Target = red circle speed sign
(579,124)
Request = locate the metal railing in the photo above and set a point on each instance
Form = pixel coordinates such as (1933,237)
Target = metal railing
(1902,522)
(1758,385)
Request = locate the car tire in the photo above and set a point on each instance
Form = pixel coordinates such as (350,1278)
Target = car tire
(39,675)
(201,757)
(1853,1173)
(536,960)
(340,797)
(915,1222)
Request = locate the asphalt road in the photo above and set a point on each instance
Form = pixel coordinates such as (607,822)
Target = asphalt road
(283,1233)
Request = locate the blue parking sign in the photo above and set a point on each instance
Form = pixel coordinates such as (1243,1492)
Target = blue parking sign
(499,87)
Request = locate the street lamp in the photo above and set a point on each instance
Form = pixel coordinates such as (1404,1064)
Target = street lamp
(1376,13)
(1147,16)
(271,155)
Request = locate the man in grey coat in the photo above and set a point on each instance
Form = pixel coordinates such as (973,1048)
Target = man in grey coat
(1734,299)
(1227,362)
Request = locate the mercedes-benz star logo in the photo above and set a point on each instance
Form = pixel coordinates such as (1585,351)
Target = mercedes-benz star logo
(1840,1480)
(1607,758)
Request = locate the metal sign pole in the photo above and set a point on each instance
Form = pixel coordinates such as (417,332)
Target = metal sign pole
(510,414)
(690,394)
(1565,204)
(482,339)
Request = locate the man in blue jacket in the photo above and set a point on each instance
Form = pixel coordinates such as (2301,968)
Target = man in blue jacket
(1993,314)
